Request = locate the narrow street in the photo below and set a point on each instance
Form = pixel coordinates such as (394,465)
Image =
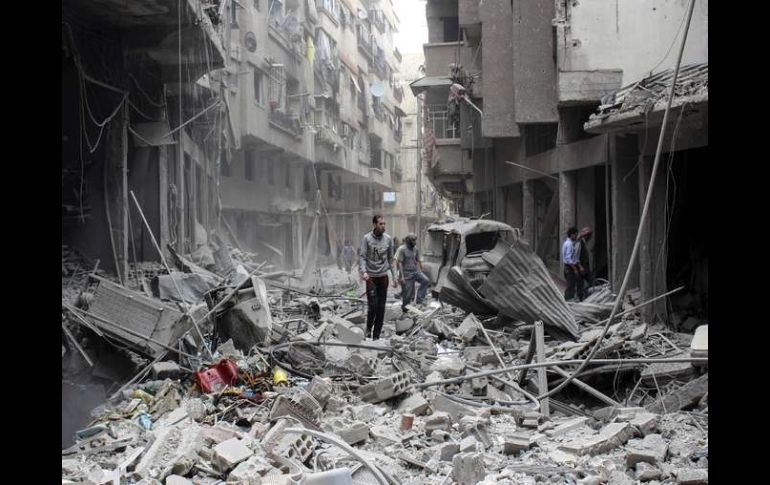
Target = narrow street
(339,242)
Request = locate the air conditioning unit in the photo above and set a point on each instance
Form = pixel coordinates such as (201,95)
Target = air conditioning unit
(345,130)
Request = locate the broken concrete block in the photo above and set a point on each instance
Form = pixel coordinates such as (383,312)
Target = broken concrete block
(686,395)
(448,366)
(652,449)
(514,443)
(611,436)
(448,450)
(479,386)
(440,436)
(173,445)
(646,472)
(625,415)
(415,404)
(219,433)
(566,427)
(468,468)
(439,420)
(166,369)
(455,409)
(349,334)
(618,477)
(692,476)
(320,390)
(645,422)
(638,332)
(382,432)
(467,330)
(229,453)
(249,472)
(353,433)
(277,443)
(469,444)
(383,389)
(177,480)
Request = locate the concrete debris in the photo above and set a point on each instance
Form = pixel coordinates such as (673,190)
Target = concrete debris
(291,383)
(386,388)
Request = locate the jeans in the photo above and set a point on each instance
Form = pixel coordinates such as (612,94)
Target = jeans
(376,296)
(408,289)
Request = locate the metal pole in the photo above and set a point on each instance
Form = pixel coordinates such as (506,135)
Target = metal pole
(418,229)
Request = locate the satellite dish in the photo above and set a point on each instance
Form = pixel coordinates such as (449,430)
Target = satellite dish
(377,89)
(362,14)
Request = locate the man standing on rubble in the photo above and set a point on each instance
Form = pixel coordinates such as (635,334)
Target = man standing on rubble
(376,259)
(571,264)
(584,262)
(410,271)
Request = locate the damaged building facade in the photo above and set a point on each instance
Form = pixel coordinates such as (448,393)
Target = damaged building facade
(559,124)
(272,126)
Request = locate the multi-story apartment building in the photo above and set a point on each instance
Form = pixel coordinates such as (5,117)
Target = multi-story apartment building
(522,149)
(246,119)
(138,115)
(315,108)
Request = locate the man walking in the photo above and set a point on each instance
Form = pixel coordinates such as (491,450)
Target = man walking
(410,271)
(571,265)
(348,255)
(584,262)
(375,261)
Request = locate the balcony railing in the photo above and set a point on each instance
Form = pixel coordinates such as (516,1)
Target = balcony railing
(287,121)
(438,121)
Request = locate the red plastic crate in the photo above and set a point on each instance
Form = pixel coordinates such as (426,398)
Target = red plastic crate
(215,378)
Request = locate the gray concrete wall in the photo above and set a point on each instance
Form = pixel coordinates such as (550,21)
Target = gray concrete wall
(586,198)
(631,35)
(534,69)
(499,115)
(567,204)
(435,10)
(468,12)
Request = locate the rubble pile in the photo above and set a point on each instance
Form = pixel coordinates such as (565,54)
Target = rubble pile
(263,383)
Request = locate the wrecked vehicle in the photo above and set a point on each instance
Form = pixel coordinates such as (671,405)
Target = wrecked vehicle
(462,242)
(485,268)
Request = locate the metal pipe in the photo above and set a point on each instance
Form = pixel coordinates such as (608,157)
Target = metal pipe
(562,362)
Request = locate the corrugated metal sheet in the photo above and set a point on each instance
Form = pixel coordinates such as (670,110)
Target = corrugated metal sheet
(521,288)
(458,292)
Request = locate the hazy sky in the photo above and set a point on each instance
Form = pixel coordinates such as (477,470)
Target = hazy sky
(413,31)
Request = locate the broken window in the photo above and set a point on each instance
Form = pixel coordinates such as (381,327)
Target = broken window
(480,242)
(451,29)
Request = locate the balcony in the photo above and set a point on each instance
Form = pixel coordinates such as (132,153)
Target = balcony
(286,121)
(364,39)
(438,120)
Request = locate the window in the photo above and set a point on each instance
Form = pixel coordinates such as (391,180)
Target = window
(248,165)
(451,29)
(259,95)
(332,7)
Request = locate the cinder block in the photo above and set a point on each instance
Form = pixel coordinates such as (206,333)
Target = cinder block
(165,370)
(468,468)
(229,453)
(386,388)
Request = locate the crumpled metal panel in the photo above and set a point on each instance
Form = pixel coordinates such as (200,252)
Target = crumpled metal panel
(457,291)
(521,288)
